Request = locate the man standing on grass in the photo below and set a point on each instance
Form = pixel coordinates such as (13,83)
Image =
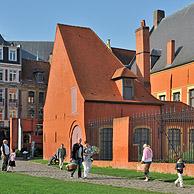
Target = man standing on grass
(5,154)
(77,156)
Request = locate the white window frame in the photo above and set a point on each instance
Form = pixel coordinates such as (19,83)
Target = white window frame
(176,91)
(162,94)
(13,74)
(191,87)
(12,56)
(1,53)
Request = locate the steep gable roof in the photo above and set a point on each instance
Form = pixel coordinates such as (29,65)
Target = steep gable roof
(94,64)
(178,27)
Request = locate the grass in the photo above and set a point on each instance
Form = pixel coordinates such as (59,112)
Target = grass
(132,174)
(23,184)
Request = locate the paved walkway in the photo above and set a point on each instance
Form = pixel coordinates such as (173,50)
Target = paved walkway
(42,170)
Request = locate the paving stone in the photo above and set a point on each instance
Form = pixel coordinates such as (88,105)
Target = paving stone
(42,170)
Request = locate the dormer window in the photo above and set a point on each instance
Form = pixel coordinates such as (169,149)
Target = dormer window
(128,88)
(12,55)
(124,79)
(1,53)
(39,76)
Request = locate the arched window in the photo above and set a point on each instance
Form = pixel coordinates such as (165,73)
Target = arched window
(191,136)
(141,136)
(106,141)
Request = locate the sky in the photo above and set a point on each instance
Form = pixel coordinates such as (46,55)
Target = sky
(110,19)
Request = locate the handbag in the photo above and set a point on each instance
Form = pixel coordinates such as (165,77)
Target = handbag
(71,166)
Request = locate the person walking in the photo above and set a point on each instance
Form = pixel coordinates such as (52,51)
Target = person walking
(87,156)
(5,154)
(12,158)
(77,156)
(179,167)
(147,160)
(61,153)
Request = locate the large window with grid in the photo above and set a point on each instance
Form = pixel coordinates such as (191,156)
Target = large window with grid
(12,75)
(191,136)
(191,97)
(141,136)
(106,138)
(174,138)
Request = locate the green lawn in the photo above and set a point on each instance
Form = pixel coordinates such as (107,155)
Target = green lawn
(12,183)
(132,174)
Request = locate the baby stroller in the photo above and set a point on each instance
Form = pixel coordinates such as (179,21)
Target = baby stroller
(53,160)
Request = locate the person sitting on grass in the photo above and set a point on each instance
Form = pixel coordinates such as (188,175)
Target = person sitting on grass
(179,167)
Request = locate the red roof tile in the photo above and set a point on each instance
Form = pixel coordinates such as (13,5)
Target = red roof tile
(94,64)
(123,72)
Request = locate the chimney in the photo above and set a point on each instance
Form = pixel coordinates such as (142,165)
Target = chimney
(158,16)
(143,54)
(170,52)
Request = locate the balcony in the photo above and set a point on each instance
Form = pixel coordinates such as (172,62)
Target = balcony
(13,103)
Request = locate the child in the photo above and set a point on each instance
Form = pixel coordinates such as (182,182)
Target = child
(179,167)
(12,160)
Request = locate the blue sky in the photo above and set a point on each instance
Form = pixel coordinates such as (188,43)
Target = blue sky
(113,19)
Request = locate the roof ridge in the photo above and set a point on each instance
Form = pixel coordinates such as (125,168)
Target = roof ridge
(74,26)
(122,48)
(42,41)
(179,11)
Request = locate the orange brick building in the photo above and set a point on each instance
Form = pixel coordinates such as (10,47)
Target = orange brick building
(92,95)
(88,82)
(172,56)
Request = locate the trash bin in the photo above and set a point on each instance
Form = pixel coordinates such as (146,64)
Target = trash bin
(25,155)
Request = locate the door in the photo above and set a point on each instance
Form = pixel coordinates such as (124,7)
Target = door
(77,133)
